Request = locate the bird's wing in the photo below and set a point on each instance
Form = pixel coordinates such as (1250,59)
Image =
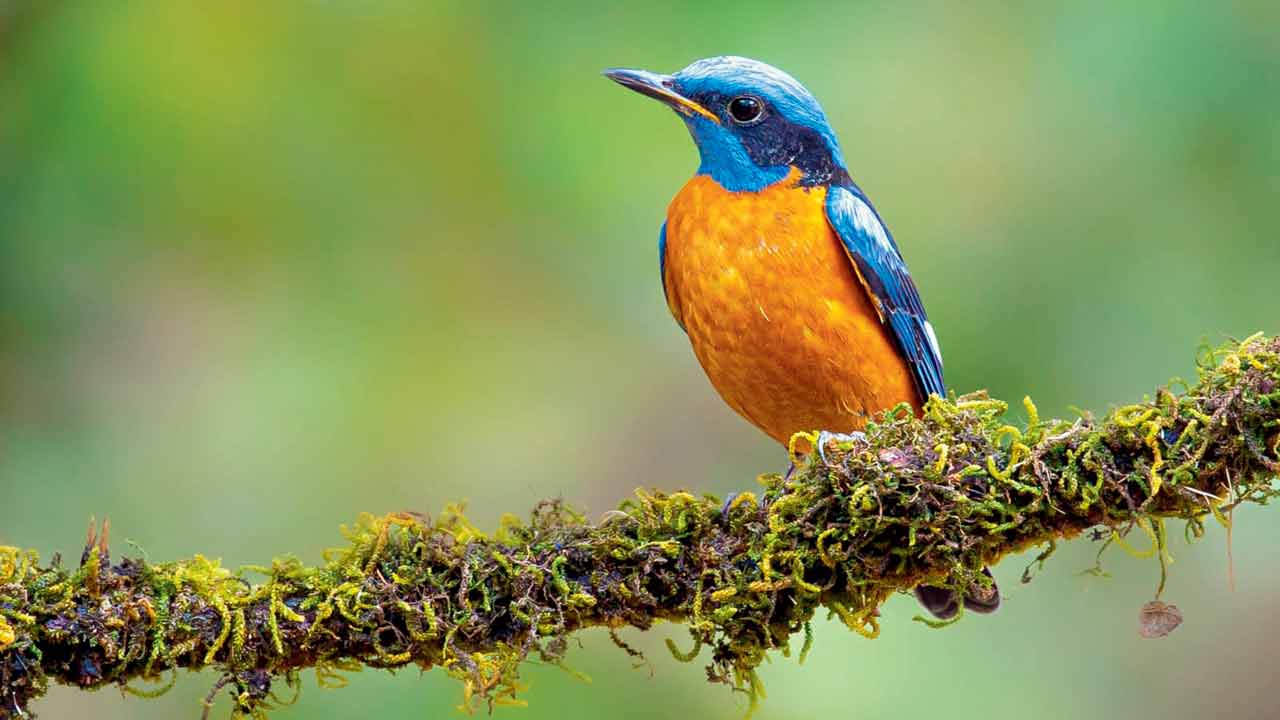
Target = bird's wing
(884,275)
(662,270)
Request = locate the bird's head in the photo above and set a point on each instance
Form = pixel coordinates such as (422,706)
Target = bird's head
(751,121)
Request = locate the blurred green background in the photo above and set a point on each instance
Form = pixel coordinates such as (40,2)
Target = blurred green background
(264,265)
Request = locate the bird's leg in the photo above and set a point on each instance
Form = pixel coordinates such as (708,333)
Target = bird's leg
(825,437)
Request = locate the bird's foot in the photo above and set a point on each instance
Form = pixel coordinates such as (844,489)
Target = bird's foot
(825,437)
(724,507)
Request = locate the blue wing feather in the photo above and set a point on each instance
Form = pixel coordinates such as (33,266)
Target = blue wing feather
(662,268)
(884,273)
(662,257)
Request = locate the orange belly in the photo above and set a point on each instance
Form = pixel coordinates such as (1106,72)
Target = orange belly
(775,311)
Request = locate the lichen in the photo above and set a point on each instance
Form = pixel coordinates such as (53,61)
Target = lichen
(932,498)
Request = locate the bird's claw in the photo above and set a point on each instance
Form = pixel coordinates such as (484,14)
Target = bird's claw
(825,437)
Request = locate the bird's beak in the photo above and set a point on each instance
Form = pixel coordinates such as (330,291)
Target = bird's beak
(659,87)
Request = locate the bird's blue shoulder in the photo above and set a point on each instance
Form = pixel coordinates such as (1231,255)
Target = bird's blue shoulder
(874,253)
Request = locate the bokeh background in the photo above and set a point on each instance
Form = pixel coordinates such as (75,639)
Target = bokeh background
(264,265)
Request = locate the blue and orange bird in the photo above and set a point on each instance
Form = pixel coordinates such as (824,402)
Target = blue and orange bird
(791,289)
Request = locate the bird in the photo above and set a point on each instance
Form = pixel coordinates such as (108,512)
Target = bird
(793,293)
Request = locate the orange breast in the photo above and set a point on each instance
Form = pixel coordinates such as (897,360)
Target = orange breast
(775,311)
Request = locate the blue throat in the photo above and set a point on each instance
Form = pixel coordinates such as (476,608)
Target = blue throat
(725,159)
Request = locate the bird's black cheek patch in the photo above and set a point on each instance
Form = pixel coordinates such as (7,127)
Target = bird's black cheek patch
(776,141)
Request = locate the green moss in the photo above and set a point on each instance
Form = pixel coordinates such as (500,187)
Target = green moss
(932,499)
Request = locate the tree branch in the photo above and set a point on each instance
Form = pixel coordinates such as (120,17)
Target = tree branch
(934,498)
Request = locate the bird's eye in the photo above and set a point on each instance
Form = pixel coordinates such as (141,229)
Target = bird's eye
(745,109)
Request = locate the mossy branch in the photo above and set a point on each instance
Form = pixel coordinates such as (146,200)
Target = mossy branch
(932,498)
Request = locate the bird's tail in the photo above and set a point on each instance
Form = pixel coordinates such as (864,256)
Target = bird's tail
(943,603)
